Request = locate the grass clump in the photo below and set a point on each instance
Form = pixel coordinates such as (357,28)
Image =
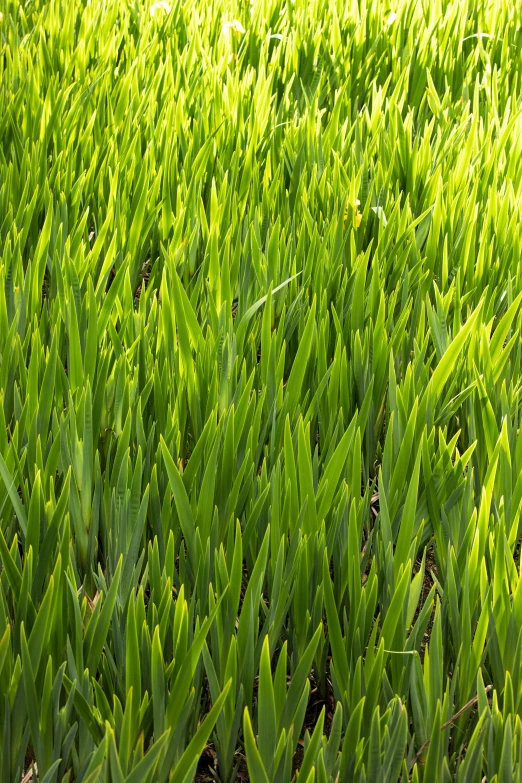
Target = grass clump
(260,341)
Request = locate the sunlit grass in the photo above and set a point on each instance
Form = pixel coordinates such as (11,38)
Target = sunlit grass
(260,373)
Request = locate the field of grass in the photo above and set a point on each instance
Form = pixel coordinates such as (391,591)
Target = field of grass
(260,391)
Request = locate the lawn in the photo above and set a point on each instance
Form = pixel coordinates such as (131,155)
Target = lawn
(260,391)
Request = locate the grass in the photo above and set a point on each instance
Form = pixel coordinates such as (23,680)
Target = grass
(260,391)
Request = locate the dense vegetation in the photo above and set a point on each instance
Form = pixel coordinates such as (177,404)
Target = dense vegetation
(260,391)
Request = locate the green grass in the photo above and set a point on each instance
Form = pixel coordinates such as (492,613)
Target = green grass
(260,391)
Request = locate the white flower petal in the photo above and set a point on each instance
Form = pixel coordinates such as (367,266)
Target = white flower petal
(233,27)
(160,7)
